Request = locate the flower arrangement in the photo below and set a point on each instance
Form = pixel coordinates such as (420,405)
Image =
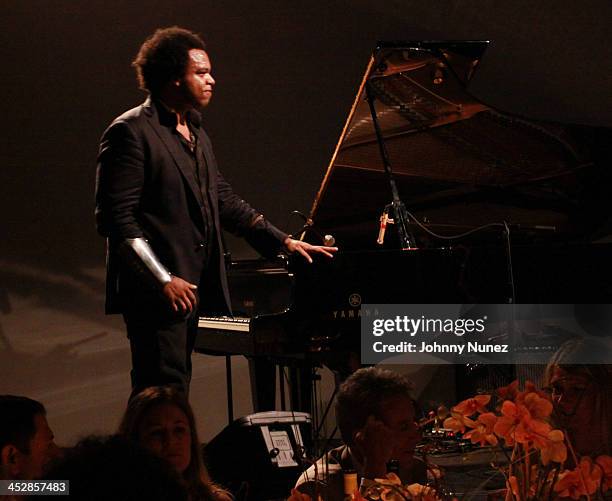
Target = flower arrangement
(537,453)
(541,463)
(391,489)
(384,489)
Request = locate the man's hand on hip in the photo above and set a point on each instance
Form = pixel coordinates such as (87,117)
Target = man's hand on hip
(180,295)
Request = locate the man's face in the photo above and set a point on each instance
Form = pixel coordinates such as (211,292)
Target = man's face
(42,450)
(197,84)
(398,415)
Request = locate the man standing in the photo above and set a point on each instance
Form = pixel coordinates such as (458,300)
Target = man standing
(161,202)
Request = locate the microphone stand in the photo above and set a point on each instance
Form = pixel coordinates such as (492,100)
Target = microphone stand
(400,216)
(310,226)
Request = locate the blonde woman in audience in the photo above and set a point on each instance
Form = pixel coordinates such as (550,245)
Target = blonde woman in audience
(582,397)
(161,419)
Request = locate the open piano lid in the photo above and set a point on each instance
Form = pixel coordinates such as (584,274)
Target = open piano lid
(457,162)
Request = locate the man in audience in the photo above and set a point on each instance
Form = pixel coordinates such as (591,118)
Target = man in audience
(26,441)
(376,418)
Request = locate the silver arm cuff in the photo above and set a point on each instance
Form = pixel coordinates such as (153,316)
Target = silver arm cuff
(138,252)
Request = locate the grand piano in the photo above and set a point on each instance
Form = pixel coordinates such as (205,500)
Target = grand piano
(499,209)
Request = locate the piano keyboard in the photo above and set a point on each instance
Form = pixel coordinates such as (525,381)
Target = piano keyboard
(240,324)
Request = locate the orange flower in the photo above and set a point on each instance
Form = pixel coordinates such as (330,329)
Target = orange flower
(532,432)
(512,415)
(581,481)
(537,406)
(530,387)
(483,432)
(508,392)
(517,424)
(511,392)
(298,496)
(458,422)
(471,406)
(554,449)
(605,463)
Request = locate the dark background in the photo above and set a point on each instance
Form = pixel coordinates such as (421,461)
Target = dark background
(286,73)
(286,76)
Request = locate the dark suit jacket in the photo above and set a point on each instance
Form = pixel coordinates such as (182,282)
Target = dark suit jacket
(146,187)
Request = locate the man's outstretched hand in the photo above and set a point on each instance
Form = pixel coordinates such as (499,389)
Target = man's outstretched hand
(307,250)
(180,294)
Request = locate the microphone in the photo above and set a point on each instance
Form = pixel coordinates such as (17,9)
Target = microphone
(327,240)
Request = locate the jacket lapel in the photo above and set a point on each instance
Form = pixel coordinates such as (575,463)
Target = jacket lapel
(165,134)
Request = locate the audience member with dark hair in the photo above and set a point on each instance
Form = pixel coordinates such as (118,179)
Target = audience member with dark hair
(376,418)
(105,468)
(161,419)
(582,397)
(26,441)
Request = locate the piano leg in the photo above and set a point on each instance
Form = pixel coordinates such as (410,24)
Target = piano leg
(301,380)
(263,384)
(281,388)
(229,388)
